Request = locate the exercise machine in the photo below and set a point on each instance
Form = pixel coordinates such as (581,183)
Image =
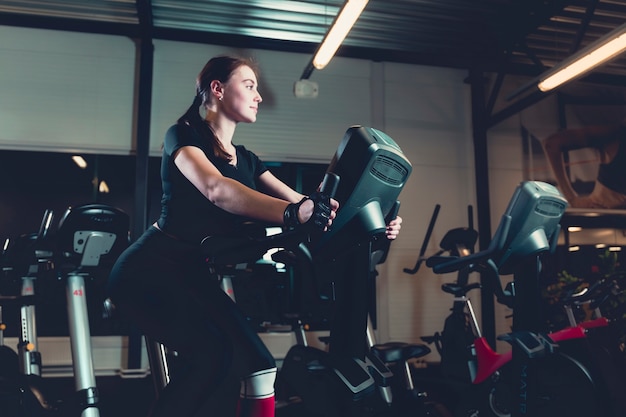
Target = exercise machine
(453,342)
(540,376)
(408,396)
(88,239)
(368,171)
(26,259)
(366,175)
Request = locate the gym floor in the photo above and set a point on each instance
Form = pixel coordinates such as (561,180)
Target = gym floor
(119,397)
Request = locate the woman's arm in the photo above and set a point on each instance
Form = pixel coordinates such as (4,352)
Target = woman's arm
(225,192)
(275,187)
(238,199)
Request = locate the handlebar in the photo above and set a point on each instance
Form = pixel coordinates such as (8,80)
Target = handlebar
(445,264)
(596,294)
(481,261)
(239,249)
(25,255)
(46,221)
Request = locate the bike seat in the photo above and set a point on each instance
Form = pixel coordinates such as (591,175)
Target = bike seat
(391,352)
(459,290)
(459,241)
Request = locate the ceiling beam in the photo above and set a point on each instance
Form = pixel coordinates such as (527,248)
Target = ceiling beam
(584,24)
(69,25)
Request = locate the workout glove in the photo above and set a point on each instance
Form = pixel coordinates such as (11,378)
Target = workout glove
(319,218)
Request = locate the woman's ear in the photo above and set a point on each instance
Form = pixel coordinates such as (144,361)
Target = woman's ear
(217,89)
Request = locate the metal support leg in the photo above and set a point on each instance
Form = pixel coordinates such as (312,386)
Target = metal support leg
(30,358)
(80,338)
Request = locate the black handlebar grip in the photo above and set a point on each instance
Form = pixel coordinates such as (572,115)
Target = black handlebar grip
(44,228)
(329,184)
(393,213)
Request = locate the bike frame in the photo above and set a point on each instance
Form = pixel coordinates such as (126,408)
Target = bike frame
(489,361)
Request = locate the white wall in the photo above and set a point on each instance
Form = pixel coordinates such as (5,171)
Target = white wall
(70,91)
(65,92)
(427,111)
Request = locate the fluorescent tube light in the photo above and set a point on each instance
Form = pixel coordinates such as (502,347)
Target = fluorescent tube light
(80,161)
(346,18)
(590,57)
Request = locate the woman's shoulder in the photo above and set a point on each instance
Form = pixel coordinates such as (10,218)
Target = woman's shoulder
(179,135)
(180,130)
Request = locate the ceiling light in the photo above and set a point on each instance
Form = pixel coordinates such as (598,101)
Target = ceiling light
(80,161)
(338,31)
(346,18)
(573,248)
(583,61)
(588,58)
(103,187)
(574,229)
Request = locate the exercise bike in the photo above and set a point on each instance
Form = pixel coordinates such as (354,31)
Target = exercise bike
(460,328)
(26,259)
(539,376)
(88,238)
(370,171)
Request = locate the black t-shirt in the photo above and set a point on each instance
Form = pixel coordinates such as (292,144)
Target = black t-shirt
(185,212)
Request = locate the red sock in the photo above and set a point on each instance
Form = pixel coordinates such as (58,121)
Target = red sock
(256,407)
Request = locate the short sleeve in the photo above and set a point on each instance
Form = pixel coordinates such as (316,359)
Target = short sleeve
(259,166)
(180,135)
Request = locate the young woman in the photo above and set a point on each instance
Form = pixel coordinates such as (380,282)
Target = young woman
(161,284)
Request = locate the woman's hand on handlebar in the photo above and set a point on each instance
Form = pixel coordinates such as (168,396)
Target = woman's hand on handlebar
(318,210)
(393,228)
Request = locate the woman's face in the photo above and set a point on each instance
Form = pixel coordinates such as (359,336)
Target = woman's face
(241,97)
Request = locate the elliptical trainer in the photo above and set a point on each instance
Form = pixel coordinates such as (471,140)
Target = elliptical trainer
(371,170)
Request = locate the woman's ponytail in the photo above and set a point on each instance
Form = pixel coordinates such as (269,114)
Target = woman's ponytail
(192,115)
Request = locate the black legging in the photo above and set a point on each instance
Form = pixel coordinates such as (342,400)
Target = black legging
(162,286)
